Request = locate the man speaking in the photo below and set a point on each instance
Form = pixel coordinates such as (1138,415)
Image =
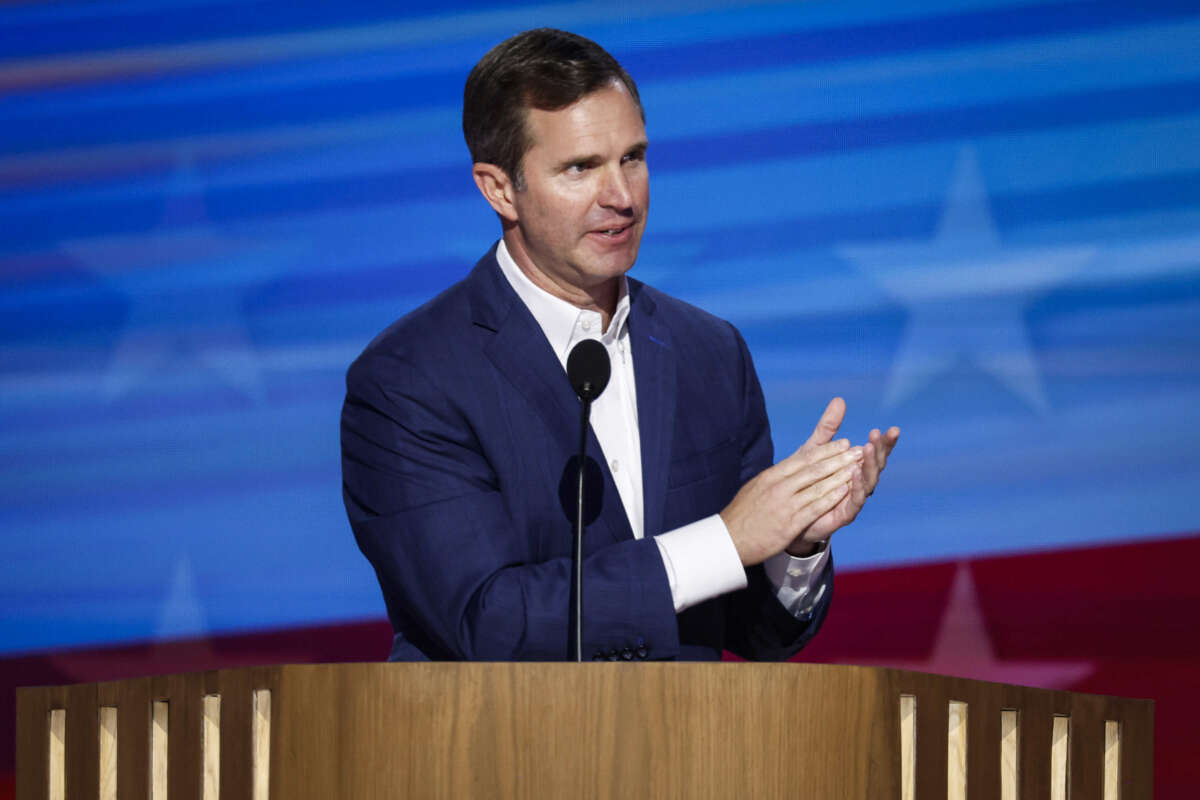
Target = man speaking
(459,429)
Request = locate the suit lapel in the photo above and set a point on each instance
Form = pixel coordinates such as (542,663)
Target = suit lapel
(519,350)
(654,374)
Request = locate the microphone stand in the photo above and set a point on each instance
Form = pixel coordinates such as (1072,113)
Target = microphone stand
(588,370)
(575,616)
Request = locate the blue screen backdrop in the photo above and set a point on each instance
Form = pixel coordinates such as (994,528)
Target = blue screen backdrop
(977,220)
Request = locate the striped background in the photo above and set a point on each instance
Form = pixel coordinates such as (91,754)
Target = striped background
(977,220)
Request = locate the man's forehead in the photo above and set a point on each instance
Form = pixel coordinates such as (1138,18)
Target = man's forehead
(596,118)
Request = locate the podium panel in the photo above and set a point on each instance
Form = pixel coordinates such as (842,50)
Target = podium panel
(577,730)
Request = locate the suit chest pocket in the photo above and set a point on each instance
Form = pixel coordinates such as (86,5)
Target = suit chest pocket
(719,461)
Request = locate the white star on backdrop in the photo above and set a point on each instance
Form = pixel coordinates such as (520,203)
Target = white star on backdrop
(965,293)
(181,613)
(962,648)
(186,285)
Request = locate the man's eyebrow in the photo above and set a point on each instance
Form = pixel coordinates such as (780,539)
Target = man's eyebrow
(591,159)
(583,158)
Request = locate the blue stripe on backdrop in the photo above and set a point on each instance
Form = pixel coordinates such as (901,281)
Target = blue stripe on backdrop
(56,28)
(424,84)
(36,219)
(980,221)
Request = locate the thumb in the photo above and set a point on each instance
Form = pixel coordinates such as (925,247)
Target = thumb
(831,420)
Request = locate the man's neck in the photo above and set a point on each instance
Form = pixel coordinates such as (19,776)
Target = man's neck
(602,297)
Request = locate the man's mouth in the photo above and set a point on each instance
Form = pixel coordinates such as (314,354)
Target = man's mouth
(613,232)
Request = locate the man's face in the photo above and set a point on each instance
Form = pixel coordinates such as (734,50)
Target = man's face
(581,213)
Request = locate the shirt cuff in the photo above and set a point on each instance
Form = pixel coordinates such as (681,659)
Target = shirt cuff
(794,578)
(701,562)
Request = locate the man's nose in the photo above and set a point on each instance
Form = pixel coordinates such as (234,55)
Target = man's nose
(616,193)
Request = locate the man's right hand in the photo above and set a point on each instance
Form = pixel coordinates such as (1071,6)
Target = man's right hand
(776,505)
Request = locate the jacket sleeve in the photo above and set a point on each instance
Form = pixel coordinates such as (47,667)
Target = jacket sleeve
(430,512)
(758,627)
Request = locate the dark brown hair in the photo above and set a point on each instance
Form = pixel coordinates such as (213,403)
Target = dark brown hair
(545,69)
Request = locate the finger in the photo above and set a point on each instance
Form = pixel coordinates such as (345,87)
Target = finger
(840,515)
(891,437)
(837,487)
(858,492)
(852,503)
(870,464)
(806,455)
(887,442)
(831,420)
(812,473)
(819,489)
(846,511)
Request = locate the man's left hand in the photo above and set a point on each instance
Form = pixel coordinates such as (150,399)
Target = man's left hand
(875,455)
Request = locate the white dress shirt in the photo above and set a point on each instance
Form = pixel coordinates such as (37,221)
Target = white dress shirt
(700,559)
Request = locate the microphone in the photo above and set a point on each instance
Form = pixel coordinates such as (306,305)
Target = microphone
(588,370)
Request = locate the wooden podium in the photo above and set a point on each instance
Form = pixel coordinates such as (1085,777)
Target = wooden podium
(725,730)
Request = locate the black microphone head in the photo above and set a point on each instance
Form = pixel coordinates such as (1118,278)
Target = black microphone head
(588,369)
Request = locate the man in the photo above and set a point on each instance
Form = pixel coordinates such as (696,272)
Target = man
(460,425)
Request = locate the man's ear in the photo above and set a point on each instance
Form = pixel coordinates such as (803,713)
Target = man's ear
(497,188)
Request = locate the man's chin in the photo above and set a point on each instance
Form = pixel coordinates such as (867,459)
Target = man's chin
(611,263)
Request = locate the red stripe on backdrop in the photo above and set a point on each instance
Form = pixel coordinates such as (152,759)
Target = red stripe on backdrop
(1112,620)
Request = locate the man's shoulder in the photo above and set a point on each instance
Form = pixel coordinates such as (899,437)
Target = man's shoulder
(685,321)
(435,318)
(442,331)
(440,321)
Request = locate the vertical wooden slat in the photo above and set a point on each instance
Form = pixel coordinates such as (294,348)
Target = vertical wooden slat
(185,694)
(83,732)
(132,699)
(56,787)
(1034,747)
(237,722)
(1085,773)
(33,737)
(1010,748)
(1112,760)
(108,752)
(983,745)
(211,745)
(260,767)
(159,748)
(908,747)
(956,751)
(1060,749)
(931,741)
(1137,754)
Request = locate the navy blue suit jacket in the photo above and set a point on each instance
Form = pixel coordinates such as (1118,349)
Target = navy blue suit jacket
(457,431)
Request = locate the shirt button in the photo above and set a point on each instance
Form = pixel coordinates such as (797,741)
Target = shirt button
(616,465)
(586,324)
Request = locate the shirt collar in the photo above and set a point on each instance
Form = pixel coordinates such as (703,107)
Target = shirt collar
(562,323)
